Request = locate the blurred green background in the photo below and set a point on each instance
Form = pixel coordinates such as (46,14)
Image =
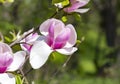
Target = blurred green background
(97,60)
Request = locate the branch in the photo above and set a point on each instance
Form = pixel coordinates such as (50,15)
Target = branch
(2,37)
(23,36)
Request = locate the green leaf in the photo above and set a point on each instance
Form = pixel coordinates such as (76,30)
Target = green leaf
(57,1)
(64,19)
(10,1)
(8,39)
(6,1)
(18,79)
(78,42)
(63,2)
(77,16)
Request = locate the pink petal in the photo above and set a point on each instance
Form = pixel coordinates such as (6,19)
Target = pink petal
(26,47)
(31,38)
(58,28)
(50,40)
(4,48)
(73,36)
(5,61)
(44,27)
(28,41)
(51,29)
(3,69)
(75,4)
(81,2)
(62,38)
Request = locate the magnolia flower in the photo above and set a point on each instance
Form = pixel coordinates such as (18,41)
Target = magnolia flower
(75,5)
(27,42)
(9,62)
(56,37)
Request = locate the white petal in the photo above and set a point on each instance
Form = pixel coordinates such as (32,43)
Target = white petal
(44,27)
(39,54)
(7,78)
(67,51)
(81,10)
(18,61)
(59,5)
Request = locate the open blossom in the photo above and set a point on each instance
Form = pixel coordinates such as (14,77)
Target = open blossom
(9,62)
(56,37)
(28,41)
(75,6)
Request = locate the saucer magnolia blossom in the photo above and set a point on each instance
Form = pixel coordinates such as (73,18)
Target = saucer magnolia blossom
(56,37)
(9,62)
(28,41)
(75,6)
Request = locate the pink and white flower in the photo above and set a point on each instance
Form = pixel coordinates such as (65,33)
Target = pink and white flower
(28,41)
(9,62)
(56,37)
(75,6)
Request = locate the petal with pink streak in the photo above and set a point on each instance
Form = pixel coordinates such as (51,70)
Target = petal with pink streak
(28,41)
(18,61)
(73,36)
(3,69)
(31,38)
(82,2)
(59,27)
(5,60)
(4,48)
(62,38)
(75,4)
(67,51)
(7,78)
(51,29)
(39,54)
(44,27)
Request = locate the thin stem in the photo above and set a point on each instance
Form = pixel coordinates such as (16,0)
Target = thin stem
(36,29)
(63,65)
(24,78)
(2,37)
(56,12)
(60,68)
(59,11)
(23,36)
(28,71)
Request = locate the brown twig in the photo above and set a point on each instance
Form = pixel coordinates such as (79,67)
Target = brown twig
(24,77)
